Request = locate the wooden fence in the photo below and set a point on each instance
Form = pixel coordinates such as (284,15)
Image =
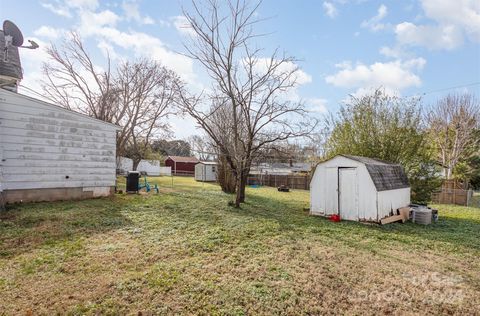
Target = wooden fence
(453,192)
(301,182)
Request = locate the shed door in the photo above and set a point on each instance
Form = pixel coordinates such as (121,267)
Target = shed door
(331,191)
(347,180)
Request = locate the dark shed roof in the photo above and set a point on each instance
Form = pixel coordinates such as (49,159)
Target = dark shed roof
(385,175)
(183,159)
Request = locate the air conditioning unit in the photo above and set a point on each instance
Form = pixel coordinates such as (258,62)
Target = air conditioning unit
(422,215)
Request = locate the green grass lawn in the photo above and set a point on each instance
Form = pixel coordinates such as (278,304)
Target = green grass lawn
(475,199)
(186,251)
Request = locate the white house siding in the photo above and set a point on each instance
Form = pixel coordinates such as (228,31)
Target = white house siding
(151,167)
(124,164)
(392,200)
(45,146)
(166,171)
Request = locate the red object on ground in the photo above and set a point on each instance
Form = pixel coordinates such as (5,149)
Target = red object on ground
(335,218)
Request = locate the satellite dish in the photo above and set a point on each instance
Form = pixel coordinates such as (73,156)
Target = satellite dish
(10,29)
(11,39)
(33,45)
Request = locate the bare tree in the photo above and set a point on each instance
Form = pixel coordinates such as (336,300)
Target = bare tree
(147,94)
(248,107)
(73,81)
(314,151)
(201,147)
(138,96)
(453,123)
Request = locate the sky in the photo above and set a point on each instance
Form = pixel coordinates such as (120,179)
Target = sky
(343,47)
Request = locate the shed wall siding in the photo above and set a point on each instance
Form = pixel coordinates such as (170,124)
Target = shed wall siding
(324,194)
(205,173)
(392,200)
(170,163)
(186,167)
(199,172)
(181,167)
(44,146)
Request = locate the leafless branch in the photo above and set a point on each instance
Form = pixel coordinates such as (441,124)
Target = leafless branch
(248,108)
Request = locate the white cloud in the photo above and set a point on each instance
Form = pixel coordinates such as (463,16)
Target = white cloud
(101,25)
(330,9)
(375,23)
(395,52)
(395,75)
(63,8)
(58,9)
(48,32)
(453,21)
(370,91)
(415,63)
(318,105)
(344,64)
(299,77)
(182,25)
(147,45)
(32,61)
(183,126)
(132,12)
(148,20)
(107,50)
(92,22)
(464,14)
(83,4)
(164,23)
(431,36)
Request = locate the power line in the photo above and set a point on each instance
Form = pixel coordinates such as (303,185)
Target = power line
(449,88)
(36,93)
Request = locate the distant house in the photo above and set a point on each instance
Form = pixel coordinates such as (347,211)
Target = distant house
(281,168)
(206,171)
(50,153)
(182,165)
(358,188)
(147,167)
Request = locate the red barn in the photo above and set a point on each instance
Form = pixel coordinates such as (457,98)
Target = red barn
(181,165)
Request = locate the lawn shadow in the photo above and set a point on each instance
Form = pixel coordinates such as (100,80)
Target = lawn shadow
(24,227)
(455,232)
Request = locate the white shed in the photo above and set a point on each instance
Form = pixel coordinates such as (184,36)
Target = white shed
(206,171)
(50,153)
(358,188)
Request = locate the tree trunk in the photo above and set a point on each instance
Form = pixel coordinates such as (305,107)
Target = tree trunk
(225,176)
(135,164)
(238,189)
(243,185)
